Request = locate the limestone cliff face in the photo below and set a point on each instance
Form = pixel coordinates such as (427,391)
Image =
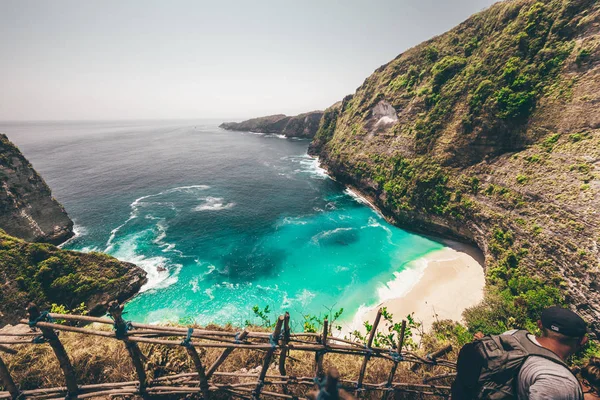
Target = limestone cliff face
(490,133)
(27,208)
(302,126)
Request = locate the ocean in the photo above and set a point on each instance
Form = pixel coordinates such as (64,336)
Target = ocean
(221,221)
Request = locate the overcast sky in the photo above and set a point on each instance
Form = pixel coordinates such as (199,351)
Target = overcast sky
(142,59)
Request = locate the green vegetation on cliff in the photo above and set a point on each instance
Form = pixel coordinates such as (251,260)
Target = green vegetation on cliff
(44,274)
(496,140)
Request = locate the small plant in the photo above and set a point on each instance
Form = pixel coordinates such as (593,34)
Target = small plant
(262,315)
(392,336)
(549,142)
(575,137)
(81,309)
(314,323)
(583,56)
(522,179)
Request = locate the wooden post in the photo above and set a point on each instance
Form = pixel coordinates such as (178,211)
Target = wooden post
(59,351)
(7,381)
(267,359)
(284,350)
(395,366)
(320,353)
(224,355)
(116,311)
(286,339)
(204,386)
(363,367)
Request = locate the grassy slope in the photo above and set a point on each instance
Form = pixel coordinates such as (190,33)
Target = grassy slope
(45,274)
(497,142)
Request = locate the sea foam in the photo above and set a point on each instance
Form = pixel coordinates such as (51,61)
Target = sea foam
(214,204)
(361,199)
(404,281)
(137,203)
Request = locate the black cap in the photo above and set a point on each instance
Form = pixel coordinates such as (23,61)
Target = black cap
(564,321)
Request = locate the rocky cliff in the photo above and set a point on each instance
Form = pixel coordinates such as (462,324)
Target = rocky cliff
(27,208)
(302,126)
(44,274)
(41,272)
(490,133)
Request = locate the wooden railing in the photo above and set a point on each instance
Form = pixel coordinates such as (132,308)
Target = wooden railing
(202,381)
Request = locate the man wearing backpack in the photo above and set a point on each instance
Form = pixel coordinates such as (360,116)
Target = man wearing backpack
(518,365)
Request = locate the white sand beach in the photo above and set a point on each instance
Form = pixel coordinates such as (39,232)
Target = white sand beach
(452,279)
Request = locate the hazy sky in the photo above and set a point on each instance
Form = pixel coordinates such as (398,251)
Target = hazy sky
(142,59)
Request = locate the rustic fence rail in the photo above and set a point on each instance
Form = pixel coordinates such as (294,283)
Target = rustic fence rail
(202,381)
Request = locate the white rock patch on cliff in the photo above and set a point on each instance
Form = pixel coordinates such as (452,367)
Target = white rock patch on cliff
(384,113)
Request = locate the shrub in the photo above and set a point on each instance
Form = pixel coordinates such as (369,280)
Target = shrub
(431,53)
(522,179)
(481,94)
(575,137)
(583,56)
(446,68)
(550,141)
(513,104)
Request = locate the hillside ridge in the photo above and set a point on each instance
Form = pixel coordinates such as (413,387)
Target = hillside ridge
(301,126)
(489,133)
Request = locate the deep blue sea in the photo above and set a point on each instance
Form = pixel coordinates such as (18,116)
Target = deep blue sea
(221,221)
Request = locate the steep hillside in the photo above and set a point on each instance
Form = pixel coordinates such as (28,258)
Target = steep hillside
(27,208)
(490,133)
(303,125)
(44,274)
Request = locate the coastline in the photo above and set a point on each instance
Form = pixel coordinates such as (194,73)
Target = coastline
(448,281)
(438,286)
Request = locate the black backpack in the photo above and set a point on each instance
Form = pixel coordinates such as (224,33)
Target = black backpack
(488,368)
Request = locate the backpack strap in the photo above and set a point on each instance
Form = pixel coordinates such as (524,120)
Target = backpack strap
(534,350)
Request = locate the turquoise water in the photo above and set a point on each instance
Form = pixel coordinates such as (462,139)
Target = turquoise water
(221,221)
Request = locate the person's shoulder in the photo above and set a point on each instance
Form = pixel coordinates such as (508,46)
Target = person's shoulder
(536,367)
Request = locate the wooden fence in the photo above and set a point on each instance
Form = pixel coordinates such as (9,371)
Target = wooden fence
(201,382)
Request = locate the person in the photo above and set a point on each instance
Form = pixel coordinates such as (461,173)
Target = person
(563,333)
(520,365)
(590,379)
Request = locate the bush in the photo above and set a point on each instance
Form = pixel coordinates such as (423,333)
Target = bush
(522,179)
(446,68)
(516,105)
(583,56)
(575,137)
(550,141)
(431,53)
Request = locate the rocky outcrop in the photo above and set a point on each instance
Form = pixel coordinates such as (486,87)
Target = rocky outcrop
(301,126)
(40,272)
(44,274)
(490,133)
(27,208)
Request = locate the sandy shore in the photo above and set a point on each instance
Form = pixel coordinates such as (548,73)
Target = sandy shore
(451,280)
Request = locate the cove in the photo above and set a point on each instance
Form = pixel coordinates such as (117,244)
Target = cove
(221,221)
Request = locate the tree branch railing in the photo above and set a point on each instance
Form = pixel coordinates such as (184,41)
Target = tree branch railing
(202,381)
